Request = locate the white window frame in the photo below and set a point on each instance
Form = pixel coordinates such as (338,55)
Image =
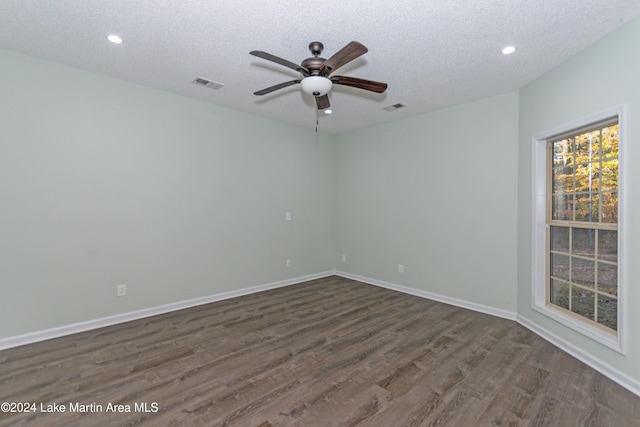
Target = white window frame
(615,341)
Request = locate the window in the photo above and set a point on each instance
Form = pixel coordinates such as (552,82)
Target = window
(582,224)
(576,225)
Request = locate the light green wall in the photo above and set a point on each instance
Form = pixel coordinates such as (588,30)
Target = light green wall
(436,193)
(103,182)
(603,76)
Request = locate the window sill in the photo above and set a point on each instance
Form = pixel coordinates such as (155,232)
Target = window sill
(608,339)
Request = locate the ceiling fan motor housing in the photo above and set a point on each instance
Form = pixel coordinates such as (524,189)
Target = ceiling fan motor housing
(313,64)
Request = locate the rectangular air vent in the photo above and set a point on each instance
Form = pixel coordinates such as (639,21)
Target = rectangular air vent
(393,107)
(208,83)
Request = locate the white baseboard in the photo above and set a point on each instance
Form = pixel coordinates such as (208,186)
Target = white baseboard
(605,369)
(429,295)
(610,372)
(60,331)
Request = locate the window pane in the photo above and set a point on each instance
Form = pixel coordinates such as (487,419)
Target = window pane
(560,239)
(587,177)
(608,278)
(559,294)
(610,174)
(595,176)
(610,207)
(562,207)
(560,266)
(608,245)
(562,152)
(608,312)
(583,272)
(582,302)
(562,180)
(587,207)
(583,242)
(587,146)
(610,141)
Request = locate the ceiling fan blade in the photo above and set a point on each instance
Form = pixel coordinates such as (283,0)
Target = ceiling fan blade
(275,87)
(343,56)
(360,83)
(278,60)
(323,102)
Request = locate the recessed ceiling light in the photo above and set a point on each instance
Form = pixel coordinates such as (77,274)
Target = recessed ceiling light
(508,50)
(114,39)
(328,111)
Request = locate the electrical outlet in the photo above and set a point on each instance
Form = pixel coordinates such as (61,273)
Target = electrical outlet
(400,268)
(344,258)
(121,290)
(288,263)
(287,216)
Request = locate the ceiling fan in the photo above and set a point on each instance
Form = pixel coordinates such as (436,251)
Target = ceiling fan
(316,72)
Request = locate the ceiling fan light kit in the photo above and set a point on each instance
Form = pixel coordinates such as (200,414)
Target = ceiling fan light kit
(316,72)
(316,85)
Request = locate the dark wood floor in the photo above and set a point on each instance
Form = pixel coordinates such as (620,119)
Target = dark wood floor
(330,352)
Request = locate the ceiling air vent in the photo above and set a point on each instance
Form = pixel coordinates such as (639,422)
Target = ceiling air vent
(393,107)
(208,83)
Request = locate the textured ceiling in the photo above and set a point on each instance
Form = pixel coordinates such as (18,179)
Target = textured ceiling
(432,54)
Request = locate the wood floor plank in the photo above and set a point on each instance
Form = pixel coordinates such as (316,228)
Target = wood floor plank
(328,352)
